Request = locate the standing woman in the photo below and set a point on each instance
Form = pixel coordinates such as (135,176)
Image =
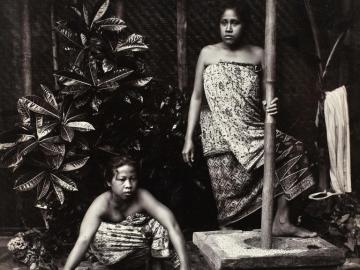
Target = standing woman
(232,128)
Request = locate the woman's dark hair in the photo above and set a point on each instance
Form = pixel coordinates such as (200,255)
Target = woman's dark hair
(240,7)
(117,162)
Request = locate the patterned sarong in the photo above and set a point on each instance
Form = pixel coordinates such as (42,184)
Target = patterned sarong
(233,140)
(131,243)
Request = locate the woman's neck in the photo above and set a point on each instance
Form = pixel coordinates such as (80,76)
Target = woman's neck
(233,47)
(120,203)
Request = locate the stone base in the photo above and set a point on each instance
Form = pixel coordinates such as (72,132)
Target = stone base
(225,250)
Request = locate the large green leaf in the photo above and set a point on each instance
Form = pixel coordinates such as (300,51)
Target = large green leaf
(26,147)
(44,127)
(80,125)
(74,165)
(69,78)
(115,76)
(64,182)
(55,161)
(111,86)
(38,105)
(53,139)
(59,193)
(28,181)
(139,82)
(51,149)
(77,117)
(101,11)
(49,96)
(66,133)
(133,43)
(73,90)
(24,113)
(111,24)
(43,189)
(68,34)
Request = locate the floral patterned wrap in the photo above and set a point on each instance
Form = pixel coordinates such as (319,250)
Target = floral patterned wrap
(232,93)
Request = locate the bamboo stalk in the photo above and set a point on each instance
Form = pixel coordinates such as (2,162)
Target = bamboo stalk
(26,47)
(181,44)
(54,44)
(270,123)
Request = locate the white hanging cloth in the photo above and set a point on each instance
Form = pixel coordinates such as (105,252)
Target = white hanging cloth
(338,138)
(336,115)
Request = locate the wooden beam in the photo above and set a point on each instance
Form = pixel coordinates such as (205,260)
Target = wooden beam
(270,125)
(26,47)
(181,44)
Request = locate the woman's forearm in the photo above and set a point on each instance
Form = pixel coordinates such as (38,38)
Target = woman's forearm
(178,242)
(193,117)
(76,254)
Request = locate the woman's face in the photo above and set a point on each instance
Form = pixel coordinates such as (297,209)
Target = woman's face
(230,27)
(124,182)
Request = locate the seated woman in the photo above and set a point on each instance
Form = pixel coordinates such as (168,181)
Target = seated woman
(118,231)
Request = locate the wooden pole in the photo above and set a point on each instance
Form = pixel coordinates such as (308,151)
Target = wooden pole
(54,44)
(26,47)
(181,44)
(270,122)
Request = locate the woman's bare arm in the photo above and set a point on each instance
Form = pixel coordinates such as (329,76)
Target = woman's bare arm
(194,109)
(162,214)
(89,226)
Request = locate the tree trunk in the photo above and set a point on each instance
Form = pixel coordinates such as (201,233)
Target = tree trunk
(26,47)
(54,44)
(181,44)
(270,125)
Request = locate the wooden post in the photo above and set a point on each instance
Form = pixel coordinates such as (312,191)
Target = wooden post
(26,47)
(54,44)
(270,122)
(181,44)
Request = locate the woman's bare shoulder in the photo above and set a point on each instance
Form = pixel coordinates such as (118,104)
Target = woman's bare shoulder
(211,49)
(210,53)
(256,51)
(101,202)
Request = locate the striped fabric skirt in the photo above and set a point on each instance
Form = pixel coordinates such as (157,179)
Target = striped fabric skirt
(130,244)
(238,193)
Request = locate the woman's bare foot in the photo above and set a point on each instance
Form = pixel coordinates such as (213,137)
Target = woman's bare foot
(288,229)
